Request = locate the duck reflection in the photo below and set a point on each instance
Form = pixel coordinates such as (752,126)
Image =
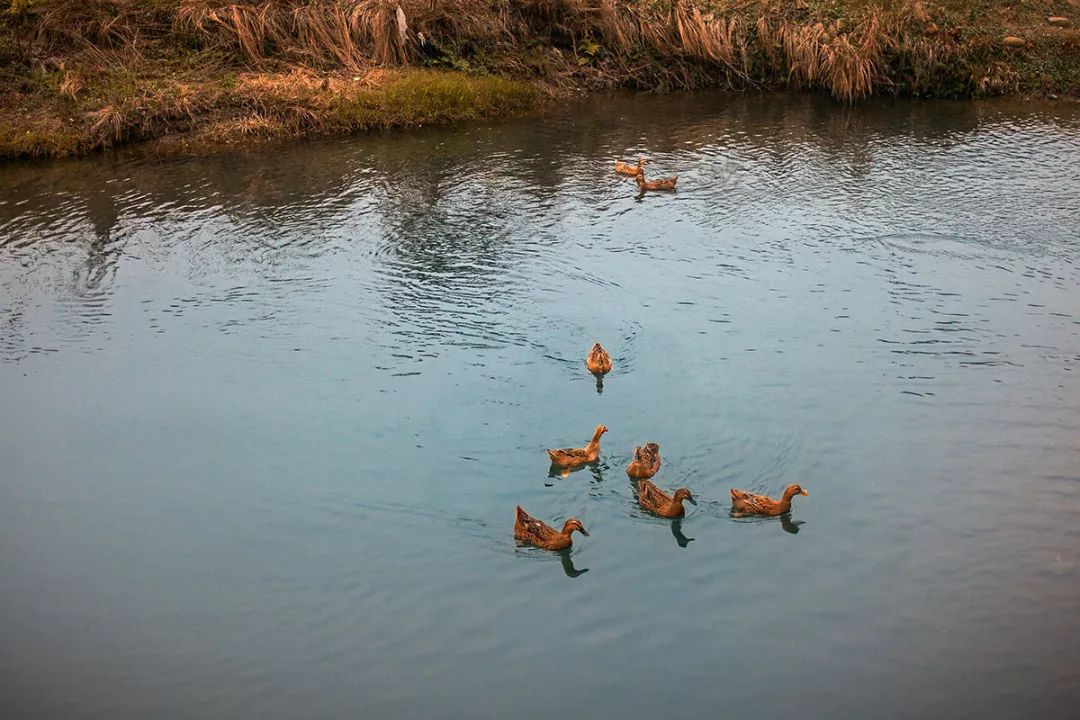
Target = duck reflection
(676,530)
(595,468)
(789,525)
(568,565)
(599,383)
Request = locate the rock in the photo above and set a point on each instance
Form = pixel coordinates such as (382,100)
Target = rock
(1058,20)
(1014,41)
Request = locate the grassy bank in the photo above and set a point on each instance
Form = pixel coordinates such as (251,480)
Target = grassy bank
(79,75)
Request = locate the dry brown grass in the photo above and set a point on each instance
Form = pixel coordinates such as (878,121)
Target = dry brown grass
(346,33)
(72,84)
(682,43)
(107,124)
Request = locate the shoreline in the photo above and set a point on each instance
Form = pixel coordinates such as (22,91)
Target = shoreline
(201,75)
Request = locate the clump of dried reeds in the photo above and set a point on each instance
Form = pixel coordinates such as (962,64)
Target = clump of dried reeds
(847,64)
(348,33)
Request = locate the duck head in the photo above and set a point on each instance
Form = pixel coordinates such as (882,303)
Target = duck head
(684,494)
(792,490)
(574,524)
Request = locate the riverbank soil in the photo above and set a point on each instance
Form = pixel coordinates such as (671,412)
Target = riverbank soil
(82,75)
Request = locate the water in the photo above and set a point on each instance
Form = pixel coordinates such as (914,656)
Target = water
(265,418)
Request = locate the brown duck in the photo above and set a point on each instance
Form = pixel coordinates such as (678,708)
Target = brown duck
(661,184)
(646,461)
(528,529)
(660,503)
(598,361)
(744,503)
(572,457)
(628,169)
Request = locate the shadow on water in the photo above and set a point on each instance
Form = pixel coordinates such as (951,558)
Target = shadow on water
(568,565)
(676,530)
(789,525)
(786,522)
(596,470)
(566,557)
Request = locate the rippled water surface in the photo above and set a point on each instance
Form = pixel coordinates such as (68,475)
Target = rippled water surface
(264,419)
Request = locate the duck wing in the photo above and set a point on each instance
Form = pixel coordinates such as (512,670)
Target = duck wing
(743,501)
(650,455)
(526,527)
(651,497)
(569,454)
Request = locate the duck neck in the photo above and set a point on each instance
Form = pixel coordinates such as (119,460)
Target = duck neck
(785,503)
(595,442)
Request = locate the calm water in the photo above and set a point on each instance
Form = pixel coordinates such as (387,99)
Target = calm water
(264,420)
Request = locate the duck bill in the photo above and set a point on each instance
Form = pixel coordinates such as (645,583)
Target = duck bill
(692,501)
(805,493)
(584,532)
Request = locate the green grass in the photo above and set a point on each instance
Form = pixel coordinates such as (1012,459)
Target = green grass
(431,97)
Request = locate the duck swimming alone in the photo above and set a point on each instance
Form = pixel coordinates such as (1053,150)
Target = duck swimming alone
(572,457)
(598,361)
(660,503)
(745,503)
(528,529)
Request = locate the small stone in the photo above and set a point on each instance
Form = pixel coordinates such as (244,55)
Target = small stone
(931,28)
(1058,20)
(1014,41)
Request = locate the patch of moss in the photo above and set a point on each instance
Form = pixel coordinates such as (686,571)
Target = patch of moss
(1051,66)
(38,139)
(428,96)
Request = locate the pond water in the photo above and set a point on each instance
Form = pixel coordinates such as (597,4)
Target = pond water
(264,419)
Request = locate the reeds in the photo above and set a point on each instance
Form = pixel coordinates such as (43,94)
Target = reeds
(673,43)
(345,33)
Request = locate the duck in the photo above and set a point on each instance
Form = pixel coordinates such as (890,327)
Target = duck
(572,457)
(598,361)
(667,184)
(646,461)
(528,529)
(745,503)
(660,503)
(627,169)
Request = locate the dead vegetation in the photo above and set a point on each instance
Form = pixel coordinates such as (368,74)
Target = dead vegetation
(132,69)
